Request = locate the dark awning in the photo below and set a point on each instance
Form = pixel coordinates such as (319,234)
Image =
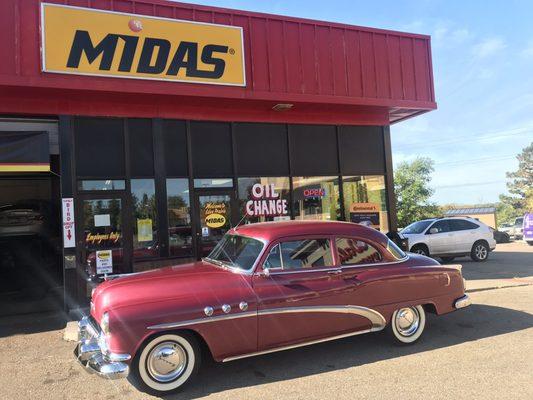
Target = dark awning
(24,152)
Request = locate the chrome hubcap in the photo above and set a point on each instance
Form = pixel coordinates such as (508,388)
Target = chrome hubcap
(407,321)
(481,252)
(420,251)
(166,361)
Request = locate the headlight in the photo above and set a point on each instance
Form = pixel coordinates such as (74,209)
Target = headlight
(104,323)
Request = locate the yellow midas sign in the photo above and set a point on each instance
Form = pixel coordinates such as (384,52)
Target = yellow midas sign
(95,42)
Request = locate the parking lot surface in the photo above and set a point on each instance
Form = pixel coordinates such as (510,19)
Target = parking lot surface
(482,352)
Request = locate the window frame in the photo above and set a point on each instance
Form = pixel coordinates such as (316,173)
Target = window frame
(371,244)
(280,271)
(436,222)
(385,254)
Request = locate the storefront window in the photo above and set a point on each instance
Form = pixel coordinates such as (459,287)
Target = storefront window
(146,242)
(213,183)
(107,184)
(179,217)
(316,198)
(264,199)
(365,201)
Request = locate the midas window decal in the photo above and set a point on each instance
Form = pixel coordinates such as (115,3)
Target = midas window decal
(84,41)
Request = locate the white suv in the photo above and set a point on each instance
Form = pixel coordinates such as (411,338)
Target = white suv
(448,238)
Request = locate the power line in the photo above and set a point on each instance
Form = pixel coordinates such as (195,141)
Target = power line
(476,160)
(469,184)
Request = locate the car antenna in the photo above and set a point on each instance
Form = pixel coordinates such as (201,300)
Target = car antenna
(239,223)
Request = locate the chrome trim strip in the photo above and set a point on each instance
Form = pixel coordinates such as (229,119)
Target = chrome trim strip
(172,325)
(377,320)
(294,346)
(463,302)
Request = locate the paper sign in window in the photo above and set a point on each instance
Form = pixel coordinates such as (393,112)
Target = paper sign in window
(104,262)
(102,220)
(144,230)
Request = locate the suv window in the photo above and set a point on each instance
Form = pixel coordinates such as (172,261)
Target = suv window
(461,225)
(353,252)
(296,254)
(441,226)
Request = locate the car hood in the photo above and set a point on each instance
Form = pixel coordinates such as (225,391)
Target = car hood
(182,283)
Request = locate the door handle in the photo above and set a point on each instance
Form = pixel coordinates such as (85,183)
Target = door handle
(335,272)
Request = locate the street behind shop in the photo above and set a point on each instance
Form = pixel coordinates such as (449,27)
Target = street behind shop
(484,351)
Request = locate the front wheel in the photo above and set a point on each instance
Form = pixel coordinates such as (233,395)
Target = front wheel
(420,249)
(407,325)
(166,363)
(480,251)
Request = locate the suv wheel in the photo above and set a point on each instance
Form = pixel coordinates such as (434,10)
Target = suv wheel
(480,251)
(420,249)
(447,259)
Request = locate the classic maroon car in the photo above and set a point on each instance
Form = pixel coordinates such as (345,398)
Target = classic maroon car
(265,287)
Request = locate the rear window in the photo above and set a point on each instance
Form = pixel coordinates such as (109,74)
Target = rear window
(354,252)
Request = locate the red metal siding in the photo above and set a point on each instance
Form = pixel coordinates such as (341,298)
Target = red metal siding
(287,59)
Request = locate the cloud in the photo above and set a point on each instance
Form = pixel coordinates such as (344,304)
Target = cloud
(489,47)
(527,52)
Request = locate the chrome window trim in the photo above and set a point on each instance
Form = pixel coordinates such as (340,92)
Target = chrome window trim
(376,264)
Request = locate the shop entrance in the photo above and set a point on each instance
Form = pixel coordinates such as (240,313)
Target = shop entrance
(101,232)
(216,210)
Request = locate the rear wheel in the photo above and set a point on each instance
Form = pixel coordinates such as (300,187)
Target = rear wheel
(420,249)
(166,363)
(480,251)
(407,325)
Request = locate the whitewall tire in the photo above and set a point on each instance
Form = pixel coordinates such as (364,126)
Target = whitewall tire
(407,324)
(166,363)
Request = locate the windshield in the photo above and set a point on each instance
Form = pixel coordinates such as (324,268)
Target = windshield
(417,227)
(236,252)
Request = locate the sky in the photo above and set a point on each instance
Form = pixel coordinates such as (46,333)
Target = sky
(483,72)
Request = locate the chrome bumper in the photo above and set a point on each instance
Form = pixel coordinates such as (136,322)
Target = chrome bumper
(462,302)
(92,354)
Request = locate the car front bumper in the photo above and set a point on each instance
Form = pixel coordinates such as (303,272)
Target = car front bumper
(462,302)
(92,354)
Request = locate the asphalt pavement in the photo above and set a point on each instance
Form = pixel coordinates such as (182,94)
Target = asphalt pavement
(482,352)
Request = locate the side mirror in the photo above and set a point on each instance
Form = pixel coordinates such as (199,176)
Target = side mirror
(433,231)
(266,272)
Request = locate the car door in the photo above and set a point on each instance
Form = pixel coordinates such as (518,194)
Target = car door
(301,296)
(441,240)
(464,234)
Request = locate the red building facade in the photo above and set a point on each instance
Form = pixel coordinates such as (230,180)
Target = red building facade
(150,161)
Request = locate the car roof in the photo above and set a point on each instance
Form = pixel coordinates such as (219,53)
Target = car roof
(270,231)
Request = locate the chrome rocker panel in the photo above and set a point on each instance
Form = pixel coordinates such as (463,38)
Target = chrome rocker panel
(93,355)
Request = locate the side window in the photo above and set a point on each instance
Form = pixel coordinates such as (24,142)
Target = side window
(353,252)
(308,253)
(466,225)
(441,226)
(274,258)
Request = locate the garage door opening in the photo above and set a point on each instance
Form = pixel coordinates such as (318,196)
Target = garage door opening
(30,226)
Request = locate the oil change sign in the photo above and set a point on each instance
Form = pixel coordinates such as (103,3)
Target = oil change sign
(85,41)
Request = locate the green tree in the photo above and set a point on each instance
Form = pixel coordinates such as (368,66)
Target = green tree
(520,188)
(411,184)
